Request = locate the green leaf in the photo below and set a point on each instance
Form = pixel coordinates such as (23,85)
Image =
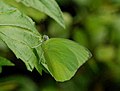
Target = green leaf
(10,16)
(35,14)
(49,7)
(4,62)
(63,57)
(19,33)
(20,42)
(38,64)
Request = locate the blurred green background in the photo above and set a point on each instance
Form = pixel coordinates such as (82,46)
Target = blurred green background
(94,24)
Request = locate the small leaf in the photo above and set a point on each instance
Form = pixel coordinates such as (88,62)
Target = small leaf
(4,62)
(49,7)
(63,57)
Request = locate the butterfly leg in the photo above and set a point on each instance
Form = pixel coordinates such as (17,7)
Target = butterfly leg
(38,44)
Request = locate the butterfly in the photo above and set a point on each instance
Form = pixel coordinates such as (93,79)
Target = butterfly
(63,57)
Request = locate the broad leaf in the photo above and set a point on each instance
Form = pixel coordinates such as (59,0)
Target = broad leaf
(19,33)
(63,57)
(10,16)
(19,46)
(49,7)
(35,14)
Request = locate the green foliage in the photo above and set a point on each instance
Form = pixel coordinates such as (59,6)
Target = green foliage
(17,83)
(109,53)
(56,56)
(92,23)
(61,33)
(4,62)
(33,13)
(18,32)
(48,7)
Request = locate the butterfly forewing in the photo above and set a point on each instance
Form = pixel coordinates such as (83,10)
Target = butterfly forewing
(63,57)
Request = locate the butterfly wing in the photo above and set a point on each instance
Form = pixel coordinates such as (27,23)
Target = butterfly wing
(63,57)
